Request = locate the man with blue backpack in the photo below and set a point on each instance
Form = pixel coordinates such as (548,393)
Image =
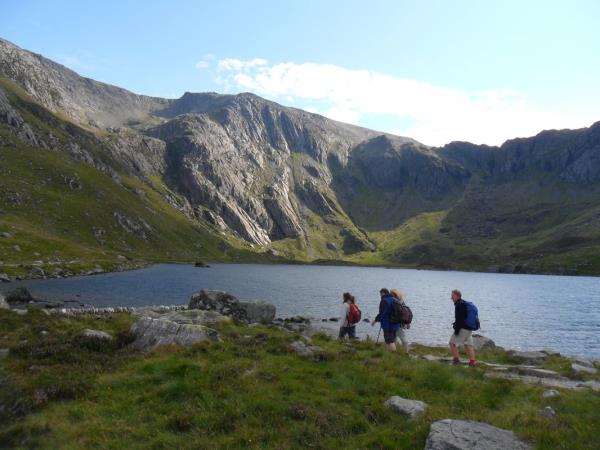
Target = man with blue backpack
(466,320)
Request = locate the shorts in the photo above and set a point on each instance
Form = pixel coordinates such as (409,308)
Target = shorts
(462,338)
(349,331)
(389,336)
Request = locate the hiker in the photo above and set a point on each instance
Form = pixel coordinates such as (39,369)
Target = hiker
(350,316)
(390,330)
(403,325)
(462,328)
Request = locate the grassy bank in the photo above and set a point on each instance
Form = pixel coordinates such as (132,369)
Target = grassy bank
(250,390)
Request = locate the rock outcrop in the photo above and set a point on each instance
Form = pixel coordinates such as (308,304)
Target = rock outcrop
(228,305)
(451,434)
(151,333)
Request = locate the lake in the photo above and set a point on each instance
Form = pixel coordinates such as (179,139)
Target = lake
(516,311)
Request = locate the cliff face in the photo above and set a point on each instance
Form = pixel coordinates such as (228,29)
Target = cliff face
(267,173)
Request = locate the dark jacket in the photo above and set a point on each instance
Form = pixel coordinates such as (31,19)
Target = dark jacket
(460,316)
(385,311)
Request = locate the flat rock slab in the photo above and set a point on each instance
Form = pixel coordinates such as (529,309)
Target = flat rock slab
(411,409)
(451,434)
(151,333)
(95,334)
(585,369)
(531,357)
(564,383)
(194,317)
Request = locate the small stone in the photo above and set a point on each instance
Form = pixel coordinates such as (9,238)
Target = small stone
(410,409)
(95,334)
(5,235)
(4,278)
(550,393)
(548,412)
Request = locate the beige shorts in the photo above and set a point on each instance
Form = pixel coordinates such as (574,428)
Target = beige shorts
(463,338)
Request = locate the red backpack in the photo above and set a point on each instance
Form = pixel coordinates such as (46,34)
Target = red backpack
(354,314)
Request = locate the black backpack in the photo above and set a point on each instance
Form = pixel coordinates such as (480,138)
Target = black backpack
(400,314)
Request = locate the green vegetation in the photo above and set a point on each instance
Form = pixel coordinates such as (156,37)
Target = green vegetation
(251,391)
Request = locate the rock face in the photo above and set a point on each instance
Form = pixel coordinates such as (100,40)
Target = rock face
(410,409)
(451,434)
(152,333)
(228,305)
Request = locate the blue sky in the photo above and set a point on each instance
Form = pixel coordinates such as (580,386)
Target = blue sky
(438,71)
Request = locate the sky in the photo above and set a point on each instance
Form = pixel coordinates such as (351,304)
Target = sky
(438,71)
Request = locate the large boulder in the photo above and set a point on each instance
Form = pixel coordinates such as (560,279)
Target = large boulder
(150,333)
(480,342)
(228,305)
(19,295)
(411,409)
(451,434)
(195,317)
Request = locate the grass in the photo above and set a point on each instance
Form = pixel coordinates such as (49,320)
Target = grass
(252,391)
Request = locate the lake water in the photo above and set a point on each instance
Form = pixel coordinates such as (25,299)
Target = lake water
(516,311)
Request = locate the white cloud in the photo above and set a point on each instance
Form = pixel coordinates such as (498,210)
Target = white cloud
(437,114)
(206,61)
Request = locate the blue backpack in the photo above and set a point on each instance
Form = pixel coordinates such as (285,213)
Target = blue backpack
(472,320)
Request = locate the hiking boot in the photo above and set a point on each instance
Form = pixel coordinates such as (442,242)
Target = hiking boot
(472,363)
(455,362)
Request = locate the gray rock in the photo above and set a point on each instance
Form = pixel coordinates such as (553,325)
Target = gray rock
(410,409)
(19,295)
(152,333)
(451,434)
(480,342)
(228,305)
(578,368)
(3,303)
(4,278)
(195,317)
(331,246)
(548,412)
(530,357)
(550,393)
(258,311)
(303,349)
(95,334)
(584,362)
(6,235)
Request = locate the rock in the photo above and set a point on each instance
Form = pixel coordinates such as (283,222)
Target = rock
(4,352)
(21,312)
(530,357)
(548,412)
(578,368)
(3,303)
(334,319)
(303,349)
(6,235)
(37,272)
(480,342)
(195,317)
(451,434)
(228,305)
(258,311)
(19,295)
(151,333)
(95,334)
(550,393)
(584,362)
(4,278)
(331,246)
(410,409)
(201,264)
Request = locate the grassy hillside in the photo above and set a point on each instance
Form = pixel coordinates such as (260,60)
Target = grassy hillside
(250,391)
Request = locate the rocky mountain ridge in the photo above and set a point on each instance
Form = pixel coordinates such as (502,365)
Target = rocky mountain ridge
(309,187)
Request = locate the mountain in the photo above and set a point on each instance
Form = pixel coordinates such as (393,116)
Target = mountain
(238,175)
